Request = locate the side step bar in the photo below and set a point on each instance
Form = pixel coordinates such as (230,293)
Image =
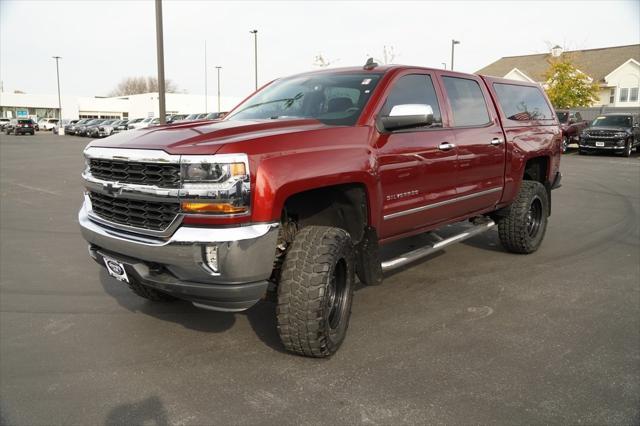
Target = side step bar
(422,252)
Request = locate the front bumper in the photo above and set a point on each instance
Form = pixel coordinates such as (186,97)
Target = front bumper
(176,264)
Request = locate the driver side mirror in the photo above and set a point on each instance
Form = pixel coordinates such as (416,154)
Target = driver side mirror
(407,116)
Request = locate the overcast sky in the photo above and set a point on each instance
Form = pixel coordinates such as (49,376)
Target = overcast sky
(103,41)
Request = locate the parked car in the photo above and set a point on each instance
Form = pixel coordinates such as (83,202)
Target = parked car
(71,128)
(65,122)
(48,123)
(121,126)
(296,190)
(82,129)
(4,122)
(176,118)
(215,116)
(191,117)
(20,126)
(145,122)
(572,125)
(107,129)
(101,129)
(617,132)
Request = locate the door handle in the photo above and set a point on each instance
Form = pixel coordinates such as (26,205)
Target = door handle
(497,141)
(446,146)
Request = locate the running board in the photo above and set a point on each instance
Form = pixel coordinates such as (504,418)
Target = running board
(422,252)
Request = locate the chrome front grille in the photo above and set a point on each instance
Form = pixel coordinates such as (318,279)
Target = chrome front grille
(156,216)
(160,175)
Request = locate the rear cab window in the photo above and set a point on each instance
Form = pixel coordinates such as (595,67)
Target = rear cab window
(521,104)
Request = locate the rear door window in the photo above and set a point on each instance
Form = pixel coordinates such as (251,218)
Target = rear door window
(467,102)
(414,89)
(522,103)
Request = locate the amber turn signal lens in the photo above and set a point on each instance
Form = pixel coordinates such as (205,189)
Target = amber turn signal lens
(237,169)
(224,208)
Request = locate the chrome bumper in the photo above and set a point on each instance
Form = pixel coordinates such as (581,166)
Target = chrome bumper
(245,253)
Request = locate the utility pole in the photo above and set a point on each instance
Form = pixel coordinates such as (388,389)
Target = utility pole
(453,47)
(255,53)
(60,126)
(160,48)
(218,68)
(206,91)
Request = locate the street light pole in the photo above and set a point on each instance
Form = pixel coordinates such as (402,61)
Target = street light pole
(218,68)
(57,58)
(255,53)
(444,65)
(453,46)
(206,90)
(160,54)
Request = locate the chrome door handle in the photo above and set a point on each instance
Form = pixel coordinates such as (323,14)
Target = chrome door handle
(497,141)
(446,146)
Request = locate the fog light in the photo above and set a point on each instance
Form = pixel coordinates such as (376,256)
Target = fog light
(211,257)
(620,143)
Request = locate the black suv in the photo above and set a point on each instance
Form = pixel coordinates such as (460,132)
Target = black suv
(619,132)
(20,126)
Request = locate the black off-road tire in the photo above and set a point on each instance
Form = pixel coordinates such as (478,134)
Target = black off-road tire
(522,229)
(315,291)
(148,292)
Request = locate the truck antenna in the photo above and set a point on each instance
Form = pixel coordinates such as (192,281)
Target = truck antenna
(370,64)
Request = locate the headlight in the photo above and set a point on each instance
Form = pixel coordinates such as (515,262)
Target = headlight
(218,184)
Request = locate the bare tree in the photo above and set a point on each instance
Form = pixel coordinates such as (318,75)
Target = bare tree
(320,61)
(136,85)
(388,55)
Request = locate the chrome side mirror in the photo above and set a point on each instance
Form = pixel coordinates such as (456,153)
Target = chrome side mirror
(407,116)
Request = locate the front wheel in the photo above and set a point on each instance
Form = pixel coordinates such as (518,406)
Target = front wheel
(565,144)
(315,291)
(522,229)
(628,148)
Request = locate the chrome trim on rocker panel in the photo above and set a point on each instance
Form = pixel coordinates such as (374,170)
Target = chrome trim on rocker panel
(441,203)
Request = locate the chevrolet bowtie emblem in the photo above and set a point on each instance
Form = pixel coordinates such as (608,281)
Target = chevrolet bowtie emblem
(112,189)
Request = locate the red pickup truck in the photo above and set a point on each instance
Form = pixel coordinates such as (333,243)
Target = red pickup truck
(572,125)
(294,192)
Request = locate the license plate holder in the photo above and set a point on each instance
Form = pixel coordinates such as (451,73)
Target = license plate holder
(599,143)
(115,269)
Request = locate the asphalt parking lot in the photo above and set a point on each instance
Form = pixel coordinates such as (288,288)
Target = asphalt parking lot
(472,335)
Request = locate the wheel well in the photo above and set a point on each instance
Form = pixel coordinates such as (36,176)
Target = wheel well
(340,206)
(536,169)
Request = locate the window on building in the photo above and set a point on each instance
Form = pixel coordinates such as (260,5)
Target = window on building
(633,95)
(467,102)
(624,95)
(612,96)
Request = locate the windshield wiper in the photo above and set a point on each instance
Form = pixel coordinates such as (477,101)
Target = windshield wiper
(288,102)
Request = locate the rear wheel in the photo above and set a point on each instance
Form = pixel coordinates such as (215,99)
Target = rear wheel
(315,291)
(522,229)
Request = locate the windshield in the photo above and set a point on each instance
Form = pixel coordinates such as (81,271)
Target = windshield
(613,121)
(334,99)
(563,117)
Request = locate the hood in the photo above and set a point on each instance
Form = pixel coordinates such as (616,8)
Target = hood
(178,138)
(608,128)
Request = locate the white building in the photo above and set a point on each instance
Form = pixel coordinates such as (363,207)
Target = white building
(615,69)
(132,106)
